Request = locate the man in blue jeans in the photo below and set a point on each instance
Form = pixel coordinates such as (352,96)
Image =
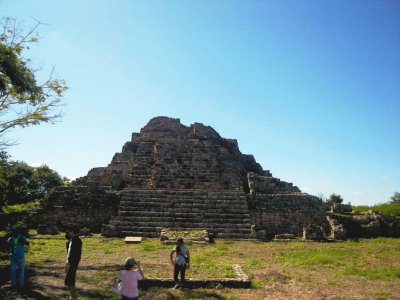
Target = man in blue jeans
(17,244)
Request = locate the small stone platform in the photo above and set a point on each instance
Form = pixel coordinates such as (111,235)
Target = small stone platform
(133,239)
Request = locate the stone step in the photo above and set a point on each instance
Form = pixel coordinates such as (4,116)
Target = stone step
(157,234)
(183,201)
(140,233)
(186,208)
(177,209)
(182,196)
(145,211)
(230,226)
(155,198)
(187,215)
(212,229)
(238,220)
(183,192)
(187,201)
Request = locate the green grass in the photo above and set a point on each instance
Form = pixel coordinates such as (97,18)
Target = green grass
(25,207)
(372,259)
(328,257)
(335,266)
(372,273)
(391,209)
(254,264)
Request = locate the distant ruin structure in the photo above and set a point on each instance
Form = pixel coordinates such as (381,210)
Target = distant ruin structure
(182,177)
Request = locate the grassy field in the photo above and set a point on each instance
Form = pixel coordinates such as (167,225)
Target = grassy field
(364,269)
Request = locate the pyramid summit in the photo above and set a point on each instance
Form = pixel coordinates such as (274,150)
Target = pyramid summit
(168,155)
(184,177)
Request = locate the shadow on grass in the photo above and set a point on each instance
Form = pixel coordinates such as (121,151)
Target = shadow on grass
(165,294)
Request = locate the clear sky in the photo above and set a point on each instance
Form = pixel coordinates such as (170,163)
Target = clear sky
(311,88)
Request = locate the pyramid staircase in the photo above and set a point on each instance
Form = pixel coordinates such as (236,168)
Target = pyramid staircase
(144,212)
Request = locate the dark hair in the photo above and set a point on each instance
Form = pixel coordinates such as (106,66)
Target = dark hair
(75,229)
(179,240)
(18,230)
(130,262)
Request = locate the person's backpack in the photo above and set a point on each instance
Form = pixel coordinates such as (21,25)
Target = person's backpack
(179,252)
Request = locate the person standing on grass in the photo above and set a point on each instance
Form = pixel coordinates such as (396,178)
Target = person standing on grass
(181,263)
(129,279)
(17,244)
(74,252)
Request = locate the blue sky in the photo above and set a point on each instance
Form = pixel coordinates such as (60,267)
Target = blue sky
(310,88)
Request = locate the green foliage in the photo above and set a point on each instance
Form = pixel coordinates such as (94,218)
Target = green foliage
(390,208)
(23,101)
(21,183)
(395,198)
(333,198)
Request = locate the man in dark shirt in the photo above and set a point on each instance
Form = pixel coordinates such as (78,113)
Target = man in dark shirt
(74,251)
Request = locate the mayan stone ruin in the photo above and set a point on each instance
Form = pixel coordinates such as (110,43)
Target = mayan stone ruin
(182,177)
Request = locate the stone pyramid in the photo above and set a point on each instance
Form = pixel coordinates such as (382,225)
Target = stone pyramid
(188,177)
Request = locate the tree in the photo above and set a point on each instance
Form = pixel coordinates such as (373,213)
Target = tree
(395,198)
(21,183)
(3,175)
(45,180)
(333,198)
(24,101)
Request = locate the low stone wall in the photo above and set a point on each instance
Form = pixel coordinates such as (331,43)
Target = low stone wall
(196,283)
(241,281)
(285,213)
(88,207)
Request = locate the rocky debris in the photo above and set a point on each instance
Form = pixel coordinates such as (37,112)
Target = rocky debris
(341,208)
(313,232)
(338,232)
(367,225)
(168,236)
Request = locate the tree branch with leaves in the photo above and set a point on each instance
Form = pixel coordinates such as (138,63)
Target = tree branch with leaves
(24,101)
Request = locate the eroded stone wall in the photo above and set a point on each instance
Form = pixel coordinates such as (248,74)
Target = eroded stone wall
(88,207)
(284,213)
